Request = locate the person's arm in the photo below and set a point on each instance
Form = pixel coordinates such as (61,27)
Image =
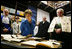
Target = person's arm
(52,25)
(14,28)
(35,30)
(9,29)
(19,29)
(2,27)
(47,26)
(22,27)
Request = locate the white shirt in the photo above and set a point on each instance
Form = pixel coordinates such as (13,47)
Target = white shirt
(16,28)
(5,20)
(58,21)
(43,22)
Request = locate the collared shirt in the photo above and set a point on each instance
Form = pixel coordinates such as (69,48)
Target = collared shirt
(43,22)
(27,28)
(5,20)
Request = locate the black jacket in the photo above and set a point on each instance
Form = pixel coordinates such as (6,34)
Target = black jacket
(42,30)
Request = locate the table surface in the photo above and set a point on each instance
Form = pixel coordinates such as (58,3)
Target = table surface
(14,44)
(18,44)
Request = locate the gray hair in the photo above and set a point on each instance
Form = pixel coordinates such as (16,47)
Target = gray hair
(60,9)
(5,10)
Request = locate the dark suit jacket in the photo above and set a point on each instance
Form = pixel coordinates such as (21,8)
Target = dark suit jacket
(42,30)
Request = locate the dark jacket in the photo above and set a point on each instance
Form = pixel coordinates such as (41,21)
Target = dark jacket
(42,30)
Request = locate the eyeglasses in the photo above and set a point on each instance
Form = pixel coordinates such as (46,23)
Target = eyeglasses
(28,13)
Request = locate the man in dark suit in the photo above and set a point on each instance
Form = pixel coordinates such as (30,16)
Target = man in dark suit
(43,27)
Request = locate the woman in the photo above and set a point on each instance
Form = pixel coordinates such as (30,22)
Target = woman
(27,26)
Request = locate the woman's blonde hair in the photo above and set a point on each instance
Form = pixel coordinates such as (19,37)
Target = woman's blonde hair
(28,11)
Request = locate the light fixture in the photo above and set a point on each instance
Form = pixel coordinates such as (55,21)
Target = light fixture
(57,4)
(45,2)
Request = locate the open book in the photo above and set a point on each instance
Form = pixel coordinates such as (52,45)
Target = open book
(9,37)
(45,43)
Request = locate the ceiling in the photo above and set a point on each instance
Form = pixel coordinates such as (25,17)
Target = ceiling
(22,5)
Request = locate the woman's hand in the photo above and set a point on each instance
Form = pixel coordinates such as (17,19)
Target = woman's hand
(17,34)
(29,35)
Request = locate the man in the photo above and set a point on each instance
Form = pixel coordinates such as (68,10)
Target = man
(43,27)
(60,28)
(6,25)
(27,26)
